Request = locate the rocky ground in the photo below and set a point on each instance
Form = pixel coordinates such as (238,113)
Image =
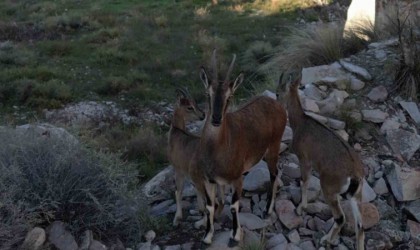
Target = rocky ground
(353,98)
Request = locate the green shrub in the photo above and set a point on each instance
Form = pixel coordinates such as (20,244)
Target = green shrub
(48,178)
(51,94)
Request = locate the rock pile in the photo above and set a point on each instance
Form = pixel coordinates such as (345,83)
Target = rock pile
(387,138)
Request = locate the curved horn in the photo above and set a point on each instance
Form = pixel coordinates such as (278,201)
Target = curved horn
(214,65)
(230,68)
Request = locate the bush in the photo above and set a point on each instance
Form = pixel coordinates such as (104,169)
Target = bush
(45,179)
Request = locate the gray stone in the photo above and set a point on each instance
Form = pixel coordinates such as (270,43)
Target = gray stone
(251,237)
(356,70)
(161,208)
(319,209)
(333,102)
(276,240)
(378,94)
(309,105)
(155,187)
(187,246)
(413,209)
(380,54)
(356,84)
(257,178)
(412,109)
(307,245)
(380,187)
(312,92)
(96,245)
(377,241)
(403,142)
(286,212)
(269,94)
(368,194)
(48,131)
(320,118)
(343,134)
(86,240)
(404,183)
(340,83)
(303,231)
(60,237)
(374,115)
(34,239)
(293,236)
(251,221)
(150,236)
(289,246)
(292,170)
(383,44)
(173,247)
(317,73)
(336,124)
(389,124)
(288,134)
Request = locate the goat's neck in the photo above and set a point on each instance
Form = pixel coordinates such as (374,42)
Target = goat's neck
(212,134)
(178,120)
(294,109)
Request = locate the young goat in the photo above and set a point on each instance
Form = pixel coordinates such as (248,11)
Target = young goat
(339,167)
(182,146)
(233,142)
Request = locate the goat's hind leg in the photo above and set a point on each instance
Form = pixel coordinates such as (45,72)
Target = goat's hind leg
(305,170)
(360,234)
(272,158)
(339,219)
(234,209)
(179,183)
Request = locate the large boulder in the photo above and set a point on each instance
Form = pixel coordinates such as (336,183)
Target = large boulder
(47,131)
(34,239)
(257,178)
(412,109)
(403,142)
(378,94)
(60,237)
(404,182)
(286,212)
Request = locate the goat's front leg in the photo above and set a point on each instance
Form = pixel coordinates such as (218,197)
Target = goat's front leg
(210,197)
(179,183)
(305,170)
(234,209)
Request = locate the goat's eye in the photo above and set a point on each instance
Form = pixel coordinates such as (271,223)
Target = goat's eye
(190,109)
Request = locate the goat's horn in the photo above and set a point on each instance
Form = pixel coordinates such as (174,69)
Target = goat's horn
(214,65)
(230,68)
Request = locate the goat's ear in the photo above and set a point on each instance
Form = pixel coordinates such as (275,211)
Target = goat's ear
(238,81)
(184,102)
(204,78)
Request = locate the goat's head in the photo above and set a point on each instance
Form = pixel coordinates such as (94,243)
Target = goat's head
(286,88)
(188,106)
(218,92)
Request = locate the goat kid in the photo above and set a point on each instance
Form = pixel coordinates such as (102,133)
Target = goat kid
(233,142)
(181,149)
(339,166)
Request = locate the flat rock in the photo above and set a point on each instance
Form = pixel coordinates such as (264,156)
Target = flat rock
(251,221)
(257,178)
(307,245)
(380,187)
(378,94)
(412,109)
(374,115)
(161,208)
(356,84)
(60,237)
(343,134)
(413,208)
(221,240)
(318,74)
(314,93)
(340,83)
(276,241)
(309,105)
(359,71)
(403,142)
(370,215)
(404,182)
(96,245)
(389,124)
(286,212)
(368,194)
(34,239)
(319,209)
(173,247)
(288,134)
(336,124)
(293,236)
(48,131)
(155,187)
(290,246)
(333,102)
(251,237)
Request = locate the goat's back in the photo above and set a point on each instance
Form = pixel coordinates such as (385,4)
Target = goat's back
(181,147)
(328,153)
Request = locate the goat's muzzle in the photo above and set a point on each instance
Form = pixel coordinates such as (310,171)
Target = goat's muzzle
(216,120)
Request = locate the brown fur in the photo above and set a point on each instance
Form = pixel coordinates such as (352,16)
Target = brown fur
(333,158)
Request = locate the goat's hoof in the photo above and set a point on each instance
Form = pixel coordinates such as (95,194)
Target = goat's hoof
(233,243)
(325,241)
